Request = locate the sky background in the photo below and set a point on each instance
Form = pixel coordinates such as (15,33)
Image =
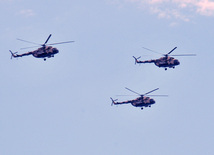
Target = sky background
(63,106)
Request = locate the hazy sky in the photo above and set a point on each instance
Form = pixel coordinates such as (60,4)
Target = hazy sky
(63,106)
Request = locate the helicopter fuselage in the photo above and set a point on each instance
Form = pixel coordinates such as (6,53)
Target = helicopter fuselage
(45,52)
(143,102)
(139,102)
(166,62)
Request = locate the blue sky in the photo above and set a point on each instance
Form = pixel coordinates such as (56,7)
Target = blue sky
(62,105)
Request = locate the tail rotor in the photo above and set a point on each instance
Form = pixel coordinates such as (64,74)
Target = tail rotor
(113,101)
(136,59)
(12,54)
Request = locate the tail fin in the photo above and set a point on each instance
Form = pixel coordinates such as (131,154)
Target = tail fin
(13,54)
(136,59)
(113,101)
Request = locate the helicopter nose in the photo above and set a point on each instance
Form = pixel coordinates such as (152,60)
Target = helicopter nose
(152,101)
(176,62)
(55,50)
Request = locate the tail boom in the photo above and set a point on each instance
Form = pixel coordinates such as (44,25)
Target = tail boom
(14,55)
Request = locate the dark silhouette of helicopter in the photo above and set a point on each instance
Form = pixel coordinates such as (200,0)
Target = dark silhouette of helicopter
(142,101)
(42,52)
(165,61)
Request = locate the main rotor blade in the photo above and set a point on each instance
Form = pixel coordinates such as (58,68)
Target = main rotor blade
(47,39)
(184,55)
(61,43)
(152,50)
(133,91)
(28,41)
(159,95)
(172,50)
(29,47)
(151,91)
(126,95)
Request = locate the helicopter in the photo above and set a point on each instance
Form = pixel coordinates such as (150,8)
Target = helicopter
(43,52)
(142,101)
(166,61)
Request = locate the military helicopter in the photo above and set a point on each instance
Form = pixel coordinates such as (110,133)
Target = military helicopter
(142,101)
(42,52)
(165,61)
